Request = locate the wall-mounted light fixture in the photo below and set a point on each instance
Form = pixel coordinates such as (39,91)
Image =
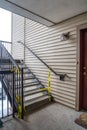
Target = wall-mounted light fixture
(64,36)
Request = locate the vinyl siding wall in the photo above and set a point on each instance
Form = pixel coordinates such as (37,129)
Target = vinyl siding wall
(17,34)
(60,55)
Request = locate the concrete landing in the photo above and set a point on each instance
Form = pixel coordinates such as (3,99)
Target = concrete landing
(51,117)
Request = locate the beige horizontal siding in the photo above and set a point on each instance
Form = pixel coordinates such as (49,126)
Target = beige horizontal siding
(60,55)
(18,34)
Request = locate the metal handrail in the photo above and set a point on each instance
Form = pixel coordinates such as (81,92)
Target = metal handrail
(6,41)
(5,92)
(62,76)
(9,55)
(15,90)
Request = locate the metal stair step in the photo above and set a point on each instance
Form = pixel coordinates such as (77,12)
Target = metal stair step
(18,61)
(32,92)
(4,65)
(4,61)
(6,69)
(25,78)
(26,81)
(27,74)
(31,84)
(22,66)
(28,77)
(26,85)
(29,81)
(25,69)
(32,88)
(34,96)
(37,100)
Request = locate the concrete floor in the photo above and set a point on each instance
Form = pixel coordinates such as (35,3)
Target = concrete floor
(51,117)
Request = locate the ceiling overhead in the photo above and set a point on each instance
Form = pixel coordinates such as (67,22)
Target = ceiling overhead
(47,12)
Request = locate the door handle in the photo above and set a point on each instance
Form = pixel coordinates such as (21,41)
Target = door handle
(84,73)
(84,68)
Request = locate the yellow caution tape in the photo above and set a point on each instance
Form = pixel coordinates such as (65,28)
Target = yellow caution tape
(13,69)
(49,75)
(48,89)
(20,111)
(19,101)
(19,71)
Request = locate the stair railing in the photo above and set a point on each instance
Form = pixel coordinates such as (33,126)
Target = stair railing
(62,76)
(8,63)
(7,45)
(6,103)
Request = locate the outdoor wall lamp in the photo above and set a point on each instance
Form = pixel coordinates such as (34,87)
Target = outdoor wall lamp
(64,36)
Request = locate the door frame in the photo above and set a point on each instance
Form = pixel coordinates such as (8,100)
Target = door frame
(78,83)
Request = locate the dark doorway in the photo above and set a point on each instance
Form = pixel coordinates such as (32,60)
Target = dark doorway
(83,69)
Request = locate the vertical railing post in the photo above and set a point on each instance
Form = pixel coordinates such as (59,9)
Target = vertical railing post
(1,82)
(2,94)
(49,87)
(22,103)
(13,97)
(1,57)
(13,88)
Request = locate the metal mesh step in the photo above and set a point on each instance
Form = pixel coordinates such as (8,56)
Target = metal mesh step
(36,100)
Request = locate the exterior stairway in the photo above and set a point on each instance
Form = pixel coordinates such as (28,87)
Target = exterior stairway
(34,96)
(23,89)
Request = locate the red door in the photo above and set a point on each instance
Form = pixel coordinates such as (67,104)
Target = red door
(83,70)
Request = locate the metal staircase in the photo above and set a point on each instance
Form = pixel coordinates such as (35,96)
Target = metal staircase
(25,91)
(9,71)
(33,93)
